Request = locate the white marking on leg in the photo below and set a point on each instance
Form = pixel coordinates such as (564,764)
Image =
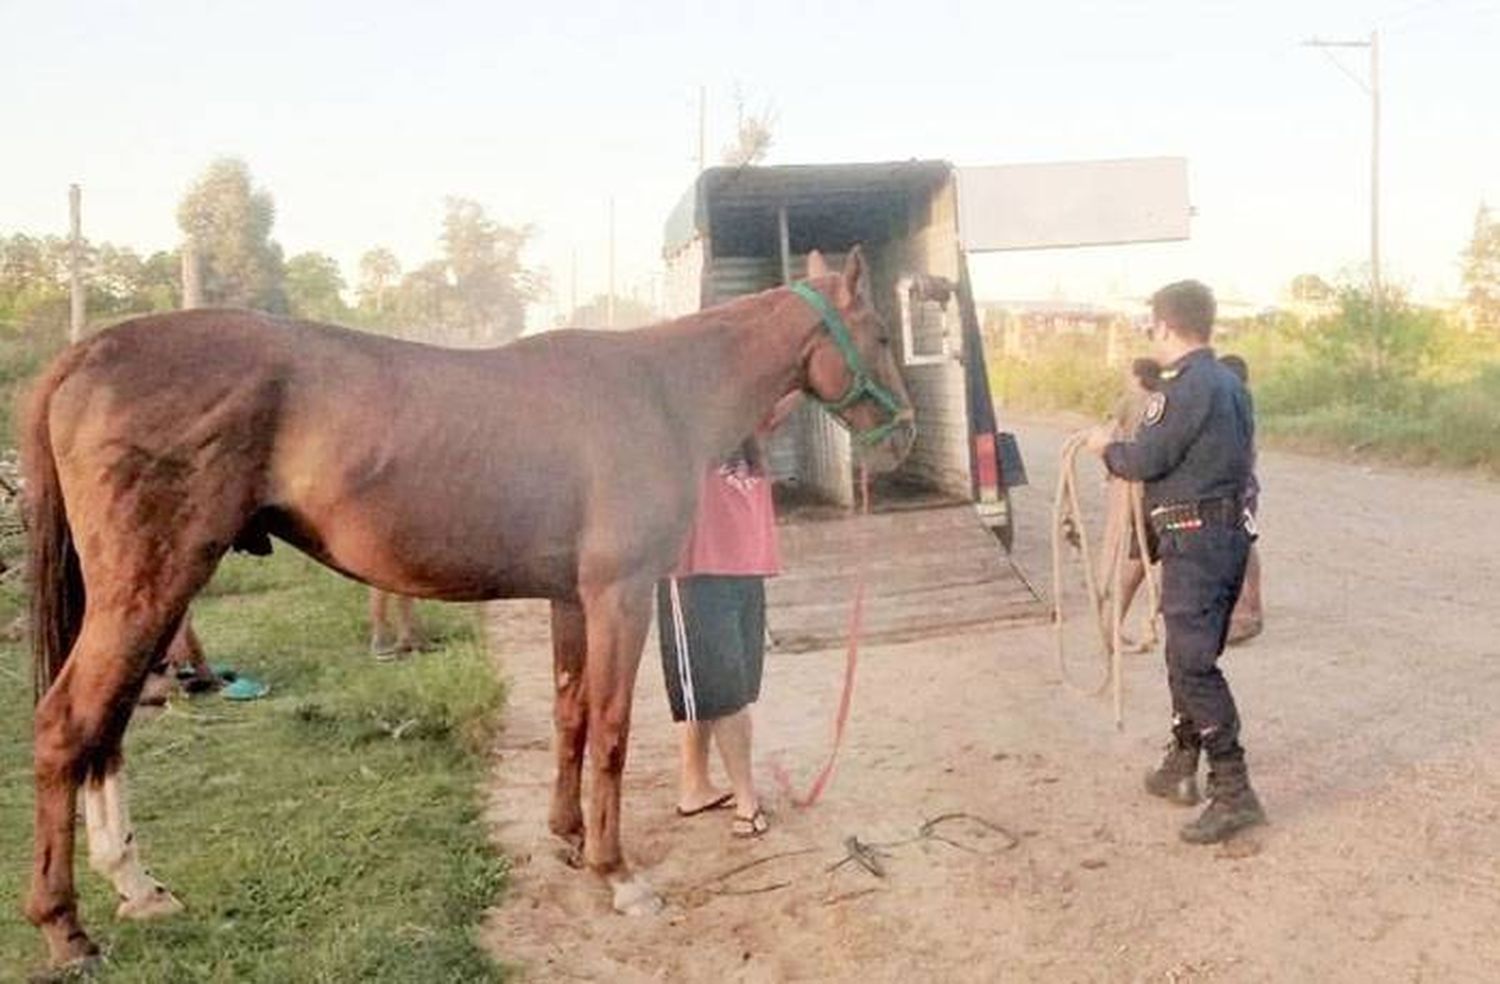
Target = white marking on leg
(113,851)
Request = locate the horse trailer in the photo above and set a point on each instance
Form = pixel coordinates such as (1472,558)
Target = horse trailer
(740,230)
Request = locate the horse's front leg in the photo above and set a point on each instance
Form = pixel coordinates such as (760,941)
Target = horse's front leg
(570,719)
(617,617)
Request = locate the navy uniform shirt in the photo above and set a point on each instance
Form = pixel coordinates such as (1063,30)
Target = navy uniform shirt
(1197,440)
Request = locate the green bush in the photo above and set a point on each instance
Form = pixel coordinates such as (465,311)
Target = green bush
(1410,386)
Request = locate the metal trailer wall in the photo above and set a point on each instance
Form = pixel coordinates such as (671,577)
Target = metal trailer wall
(940,457)
(920,237)
(810,449)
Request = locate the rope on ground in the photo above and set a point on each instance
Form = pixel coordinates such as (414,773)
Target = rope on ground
(723,876)
(1068,526)
(866,854)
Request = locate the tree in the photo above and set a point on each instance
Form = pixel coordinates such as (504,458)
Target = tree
(120,282)
(424,301)
(629,313)
(1311,288)
(379,271)
(489,287)
(228,221)
(1367,360)
(752,138)
(1482,272)
(314,288)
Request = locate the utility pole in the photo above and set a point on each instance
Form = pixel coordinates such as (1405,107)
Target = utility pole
(573,286)
(609,308)
(192,275)
(702,128)
(1372,89)
(75,263)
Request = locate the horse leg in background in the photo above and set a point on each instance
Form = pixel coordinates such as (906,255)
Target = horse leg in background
(79,724)
(616,619)
(570,719)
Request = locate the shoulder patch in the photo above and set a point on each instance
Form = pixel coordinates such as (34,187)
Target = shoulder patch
(1156,405)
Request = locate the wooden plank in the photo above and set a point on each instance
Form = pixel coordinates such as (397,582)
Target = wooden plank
(928,572)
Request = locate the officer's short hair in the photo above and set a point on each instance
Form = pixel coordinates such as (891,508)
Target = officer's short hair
(1187,307)
(1148,371)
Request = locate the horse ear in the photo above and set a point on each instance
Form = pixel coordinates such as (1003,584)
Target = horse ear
(816,265)
(856,275)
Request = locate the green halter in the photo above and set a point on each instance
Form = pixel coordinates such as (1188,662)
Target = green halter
(862,386)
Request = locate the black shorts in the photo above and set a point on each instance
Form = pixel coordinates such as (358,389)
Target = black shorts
(713,643)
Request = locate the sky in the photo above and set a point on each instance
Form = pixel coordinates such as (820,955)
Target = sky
(360,118)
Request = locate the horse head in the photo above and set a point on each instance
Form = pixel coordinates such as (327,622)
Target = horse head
(851,367)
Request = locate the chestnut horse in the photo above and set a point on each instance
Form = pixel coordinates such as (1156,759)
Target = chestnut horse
(562,466)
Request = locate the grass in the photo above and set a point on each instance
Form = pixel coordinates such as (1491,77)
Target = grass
(1447,415)
(331,832)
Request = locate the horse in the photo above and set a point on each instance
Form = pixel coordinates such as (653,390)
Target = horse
(562,466)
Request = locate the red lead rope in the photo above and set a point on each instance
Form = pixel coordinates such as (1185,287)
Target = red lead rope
(851,662)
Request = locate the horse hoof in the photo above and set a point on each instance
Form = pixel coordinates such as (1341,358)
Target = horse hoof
(634,896)
(157,905)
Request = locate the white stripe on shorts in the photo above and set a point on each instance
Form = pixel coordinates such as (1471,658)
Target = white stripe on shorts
(684,661)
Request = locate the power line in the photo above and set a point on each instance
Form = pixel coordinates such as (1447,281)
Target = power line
(1372,89)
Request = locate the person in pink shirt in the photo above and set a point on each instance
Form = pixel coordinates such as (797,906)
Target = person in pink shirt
(712,623)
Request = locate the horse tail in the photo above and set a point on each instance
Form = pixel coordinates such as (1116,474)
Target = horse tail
(56,578)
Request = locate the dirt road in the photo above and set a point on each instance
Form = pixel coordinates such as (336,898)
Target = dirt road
(1370,708)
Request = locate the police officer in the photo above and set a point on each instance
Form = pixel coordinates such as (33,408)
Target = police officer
(1194,453)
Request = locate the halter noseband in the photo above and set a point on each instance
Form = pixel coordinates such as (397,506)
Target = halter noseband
(862,386)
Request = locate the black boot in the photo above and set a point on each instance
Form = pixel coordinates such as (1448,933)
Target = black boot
(1176,779)
(1232,805)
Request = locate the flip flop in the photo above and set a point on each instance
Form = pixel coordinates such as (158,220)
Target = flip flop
(244,688)
(751,826)
(387,652)
(720,803)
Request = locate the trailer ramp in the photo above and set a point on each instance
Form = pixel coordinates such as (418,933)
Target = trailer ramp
(927,572)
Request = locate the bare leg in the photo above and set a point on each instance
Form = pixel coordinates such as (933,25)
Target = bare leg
(570,719)
(695,788)
(1117,525)
(733,735)
(380,625)
(409,636)
(186,650)
(1247,620)
(1132,578)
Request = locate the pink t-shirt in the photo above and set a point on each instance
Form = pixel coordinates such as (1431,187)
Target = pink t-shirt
(734,532)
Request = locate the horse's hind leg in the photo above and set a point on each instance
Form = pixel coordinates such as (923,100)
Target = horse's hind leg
(113,852)
(79,724)
(570,717)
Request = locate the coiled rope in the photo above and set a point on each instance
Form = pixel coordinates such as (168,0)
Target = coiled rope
(1068,527)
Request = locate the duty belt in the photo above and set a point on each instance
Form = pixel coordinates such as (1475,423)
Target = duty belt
(1174,517)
